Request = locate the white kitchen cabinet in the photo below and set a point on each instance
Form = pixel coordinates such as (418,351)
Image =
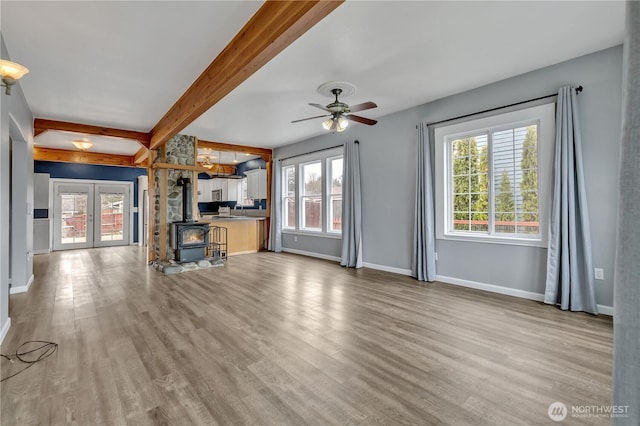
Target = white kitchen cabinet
(231,189)
(256,184)
(204,190)
(218,183)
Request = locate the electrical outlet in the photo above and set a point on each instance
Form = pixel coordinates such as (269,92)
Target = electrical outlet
(436,256)
(295,239)
(598,273)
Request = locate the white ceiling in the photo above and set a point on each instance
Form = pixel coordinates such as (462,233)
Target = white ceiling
(123,64)
(62,140)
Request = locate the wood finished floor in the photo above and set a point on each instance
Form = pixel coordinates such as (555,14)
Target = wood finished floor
(279,339)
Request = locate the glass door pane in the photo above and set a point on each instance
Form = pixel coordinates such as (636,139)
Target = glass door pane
(111,224)
(112,215)
(72,216)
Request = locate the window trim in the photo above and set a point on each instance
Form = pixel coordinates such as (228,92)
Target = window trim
(544,116)
(329,184)
(285,194)
(301,197)
(298,163)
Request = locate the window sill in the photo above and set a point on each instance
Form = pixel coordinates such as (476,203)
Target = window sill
(335,236)
(494,240)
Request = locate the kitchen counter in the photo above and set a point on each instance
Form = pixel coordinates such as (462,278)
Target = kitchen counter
(245,234)
(216,218)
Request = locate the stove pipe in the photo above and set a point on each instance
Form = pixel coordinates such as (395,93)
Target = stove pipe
(185,183)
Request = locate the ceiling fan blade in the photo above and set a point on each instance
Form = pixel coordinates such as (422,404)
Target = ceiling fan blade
(363,106)
(362,120)
(322,107)
(311,118)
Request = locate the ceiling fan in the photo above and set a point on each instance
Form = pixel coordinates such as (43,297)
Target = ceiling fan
(340,113)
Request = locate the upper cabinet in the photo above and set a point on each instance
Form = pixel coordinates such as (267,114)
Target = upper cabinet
(256,184)
(227,189)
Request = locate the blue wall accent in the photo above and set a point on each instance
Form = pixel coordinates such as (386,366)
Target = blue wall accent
(93,172)
(257,163)
(212,206)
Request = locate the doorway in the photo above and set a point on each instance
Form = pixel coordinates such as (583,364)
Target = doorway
(89,215)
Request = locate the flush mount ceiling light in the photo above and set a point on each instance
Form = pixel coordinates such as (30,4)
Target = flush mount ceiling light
(10,73)
(82,144)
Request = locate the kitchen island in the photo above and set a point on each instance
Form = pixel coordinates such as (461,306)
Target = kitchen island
(245,234)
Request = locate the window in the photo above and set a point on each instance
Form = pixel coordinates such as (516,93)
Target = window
(312,194)
(289,197)
(493,177)
(335,194)
(311,197)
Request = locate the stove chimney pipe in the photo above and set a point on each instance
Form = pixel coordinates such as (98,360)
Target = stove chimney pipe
(185,183)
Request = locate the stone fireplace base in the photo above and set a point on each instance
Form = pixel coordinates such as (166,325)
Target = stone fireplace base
(169,267)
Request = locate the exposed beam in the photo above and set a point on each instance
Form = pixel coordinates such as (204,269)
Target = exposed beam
(217,168)
(141,155)
(41,125)
(274,26)
(82,157)
(220,146)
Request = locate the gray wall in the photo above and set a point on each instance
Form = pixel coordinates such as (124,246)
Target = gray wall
(387,164)
(16,124)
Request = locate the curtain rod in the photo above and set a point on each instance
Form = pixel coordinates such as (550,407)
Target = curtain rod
(578,90)
(313,152)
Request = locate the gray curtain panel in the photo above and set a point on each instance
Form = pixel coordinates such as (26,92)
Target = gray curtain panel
(570,280)
(275,228)
(351,207)
(423,264)
(626,301)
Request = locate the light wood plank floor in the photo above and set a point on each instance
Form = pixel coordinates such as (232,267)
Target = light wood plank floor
(279,339)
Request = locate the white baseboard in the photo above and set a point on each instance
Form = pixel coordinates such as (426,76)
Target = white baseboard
(387,268)
(23,288)
(523,294)
(605,310)
(43,251)
(491,288)
(5,330)
(311,254)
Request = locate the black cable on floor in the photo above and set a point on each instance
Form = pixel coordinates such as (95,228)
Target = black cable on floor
(47,348)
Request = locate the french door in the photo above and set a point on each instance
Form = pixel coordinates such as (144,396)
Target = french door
(90,215)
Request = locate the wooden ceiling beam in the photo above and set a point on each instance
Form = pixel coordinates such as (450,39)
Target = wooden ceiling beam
(265,153)
(274,26)
(140,156)
(81,157)
(41,125)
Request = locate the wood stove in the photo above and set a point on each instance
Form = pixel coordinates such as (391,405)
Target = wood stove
(189,240)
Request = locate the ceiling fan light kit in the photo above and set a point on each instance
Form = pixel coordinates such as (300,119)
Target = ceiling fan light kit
(340,113)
